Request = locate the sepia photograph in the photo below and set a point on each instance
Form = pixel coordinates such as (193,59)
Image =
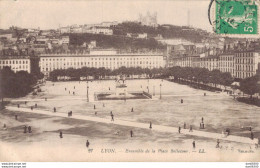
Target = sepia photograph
(129,81)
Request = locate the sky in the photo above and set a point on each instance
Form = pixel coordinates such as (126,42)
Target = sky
(48,14)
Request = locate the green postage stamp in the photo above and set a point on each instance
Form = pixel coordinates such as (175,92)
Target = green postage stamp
(236,17)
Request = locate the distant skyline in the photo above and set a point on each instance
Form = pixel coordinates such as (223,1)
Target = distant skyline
(50,14)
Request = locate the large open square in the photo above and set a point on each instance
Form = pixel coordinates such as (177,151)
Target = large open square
(91,120)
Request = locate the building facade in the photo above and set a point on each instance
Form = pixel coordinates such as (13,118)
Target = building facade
(209,62)
(16,63)
(226,63)
(246,63)
(110,61)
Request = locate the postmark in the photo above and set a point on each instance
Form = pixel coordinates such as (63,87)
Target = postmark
(235,17)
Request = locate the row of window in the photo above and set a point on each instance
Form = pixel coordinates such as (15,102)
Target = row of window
(99,65)
(20,67)
(227,70)
(13,62)
(226,64)
(244,61)
(43,69)
(226,59)
(82,63)
(244,74)
(244,54)
(244,68)
(78,59)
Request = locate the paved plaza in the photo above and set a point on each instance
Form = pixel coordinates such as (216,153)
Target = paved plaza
(92,119)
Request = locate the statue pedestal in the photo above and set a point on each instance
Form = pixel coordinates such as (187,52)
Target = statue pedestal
(121,90)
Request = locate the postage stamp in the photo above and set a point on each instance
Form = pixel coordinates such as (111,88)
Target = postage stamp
(236,17)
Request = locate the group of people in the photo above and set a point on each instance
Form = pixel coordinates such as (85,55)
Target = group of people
(25,128)
(185,127)
(61,136)
(202,126)
(69,90)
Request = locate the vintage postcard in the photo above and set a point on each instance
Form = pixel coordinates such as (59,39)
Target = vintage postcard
(132,80)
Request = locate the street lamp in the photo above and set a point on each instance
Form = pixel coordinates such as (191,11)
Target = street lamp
(87,92)
(160,91)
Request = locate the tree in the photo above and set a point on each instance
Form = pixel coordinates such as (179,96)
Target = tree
(15,84)
(250,85)
(215,77)
(226,79)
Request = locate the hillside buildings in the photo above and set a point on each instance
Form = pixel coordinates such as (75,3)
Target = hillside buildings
(101,28)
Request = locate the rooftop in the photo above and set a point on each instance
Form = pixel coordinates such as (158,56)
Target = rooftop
(14,57)
(91,55)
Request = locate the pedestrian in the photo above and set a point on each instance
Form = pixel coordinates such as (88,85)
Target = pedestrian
(54,109)
(31,107)
(35,105)
(25,129)
(193,144)
(25,102)
(218,142)
(179,130)
(95,113)
(5,127)
(61,136)
(69,91)
(184,125)
(29,129)
(87,144)
(109,88)
(132,110)
(16,117)
(65,89)
(103,104)
(202,119)
(202,125)
(131,133)
(112,117)
(250,128)
(252,135)
(227,131)
(18,105)
(94,106)
(181,100)
(190,128)
(45,99)
(204,94)
(74,87)
(73,93)
(150,125)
